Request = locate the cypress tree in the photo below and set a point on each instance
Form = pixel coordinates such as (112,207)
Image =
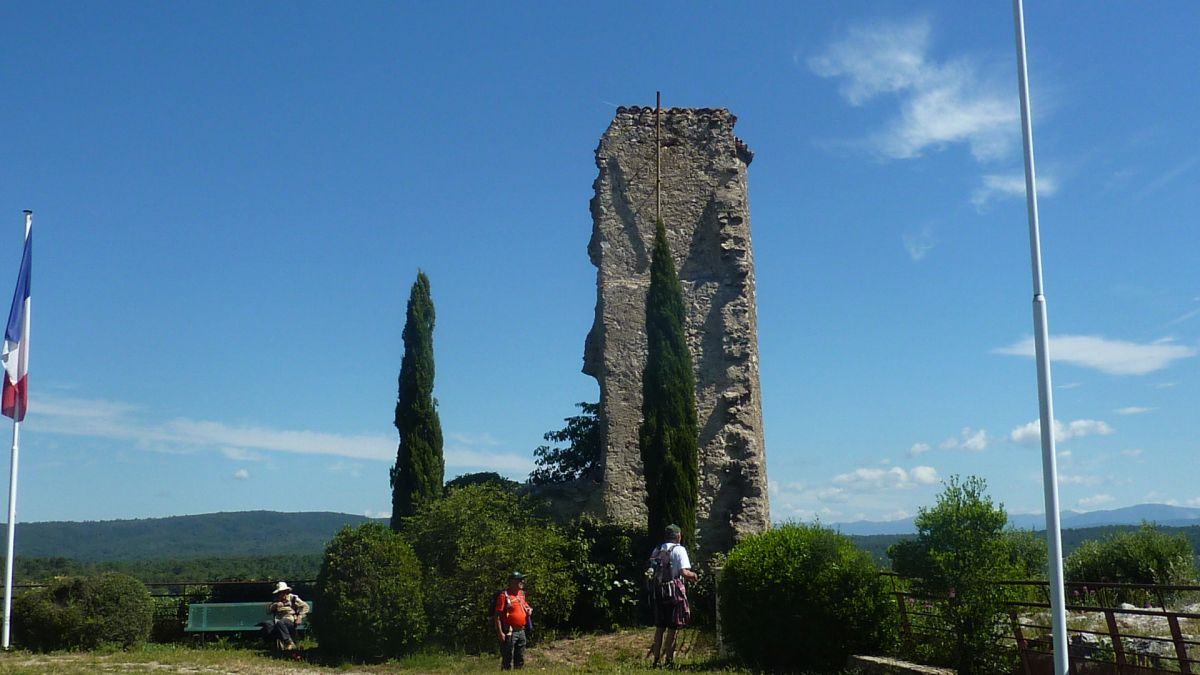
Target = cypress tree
(419,468)
(669,435)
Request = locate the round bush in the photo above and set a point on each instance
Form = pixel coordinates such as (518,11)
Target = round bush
(370,603)
(469,541)
(84,613)
(802,597)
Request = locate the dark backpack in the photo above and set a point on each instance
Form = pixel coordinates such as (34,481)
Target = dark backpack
(660,578)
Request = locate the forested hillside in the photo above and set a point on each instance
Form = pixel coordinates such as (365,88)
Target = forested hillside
(877,544)
(237,534)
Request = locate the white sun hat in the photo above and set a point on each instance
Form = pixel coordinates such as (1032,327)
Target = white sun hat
(281,587)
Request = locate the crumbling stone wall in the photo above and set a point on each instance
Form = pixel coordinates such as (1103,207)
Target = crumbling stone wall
(707,215)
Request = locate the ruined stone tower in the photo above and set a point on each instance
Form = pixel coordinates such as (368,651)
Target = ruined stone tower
(707,215)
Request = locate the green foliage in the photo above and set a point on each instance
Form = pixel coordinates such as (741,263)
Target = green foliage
(1026,554)
(417,474)
(802,596)
(84,613)
(469,542)
(580,458)
(371,599)
(669,436)
(608,571)
(1144,556)
(481,478)
(961,548)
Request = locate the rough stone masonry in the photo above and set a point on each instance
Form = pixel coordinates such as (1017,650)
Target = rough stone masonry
(707,215)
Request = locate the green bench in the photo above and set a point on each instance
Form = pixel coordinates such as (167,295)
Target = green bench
(230,617)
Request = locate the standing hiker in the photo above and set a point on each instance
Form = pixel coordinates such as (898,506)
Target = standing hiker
(513,615)
(669,567)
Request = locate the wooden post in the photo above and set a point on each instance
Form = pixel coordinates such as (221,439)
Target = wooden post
(1114,632)
(1022,646)
(1185,666)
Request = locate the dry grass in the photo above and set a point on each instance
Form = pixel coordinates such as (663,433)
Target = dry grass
(614,652)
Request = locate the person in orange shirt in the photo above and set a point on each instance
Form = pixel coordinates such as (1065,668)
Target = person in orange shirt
(512,614)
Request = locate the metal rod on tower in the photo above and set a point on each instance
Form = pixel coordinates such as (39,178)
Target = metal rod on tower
(1041,336)
(657,157)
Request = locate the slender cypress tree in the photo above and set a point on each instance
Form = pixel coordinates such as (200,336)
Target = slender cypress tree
(669,435)
(419,468)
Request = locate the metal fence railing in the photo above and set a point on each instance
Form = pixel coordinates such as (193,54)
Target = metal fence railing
(1142,629)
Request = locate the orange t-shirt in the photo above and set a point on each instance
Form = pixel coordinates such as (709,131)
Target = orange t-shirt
(512,609)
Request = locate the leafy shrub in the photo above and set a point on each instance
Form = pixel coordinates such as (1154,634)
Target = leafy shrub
(84,613)
(370,602)
(580,458)
(469,542)
(608,572)
(960,550)
(1144,556)
(802,596)
(481,478)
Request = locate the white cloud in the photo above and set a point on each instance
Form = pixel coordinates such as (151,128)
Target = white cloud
(1078,479)
(1069,385)
(1095,500)
(919,244)
(873,479)
(975,440)
(242,455)
(918,449)
(1031,433)
(940,102)
(1004,186)
(241,474)
(1115,357)
(1135,453)
(123,422)
(1166,385)
(377,513)
(1133,410)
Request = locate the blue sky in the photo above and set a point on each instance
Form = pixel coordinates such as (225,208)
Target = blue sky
(232,201)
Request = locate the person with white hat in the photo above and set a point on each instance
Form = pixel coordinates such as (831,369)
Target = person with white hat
(289,611)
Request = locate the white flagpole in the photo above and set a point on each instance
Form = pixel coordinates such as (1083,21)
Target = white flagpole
(12,475)
(1041,335)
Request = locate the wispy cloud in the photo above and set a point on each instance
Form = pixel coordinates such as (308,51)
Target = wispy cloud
(918,449)
(974,440)
(1133,410)
(919,244)
(941,103)
(1095,500)
(123,422)
(1135,453)
(1184,317)
(1031,433)
(241,474)
(874,479)
(995,186)
(1169,175)
(1115,357)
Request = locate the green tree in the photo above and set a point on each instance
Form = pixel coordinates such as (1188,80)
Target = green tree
(371,595)
(469,542)
(669,435)
(417,475)
(960,551)
(1144,556)
(580,458)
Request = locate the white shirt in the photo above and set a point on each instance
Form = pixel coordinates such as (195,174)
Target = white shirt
(679,558)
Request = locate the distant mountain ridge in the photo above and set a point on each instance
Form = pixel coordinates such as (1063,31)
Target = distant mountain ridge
(236,533)
(1162,514)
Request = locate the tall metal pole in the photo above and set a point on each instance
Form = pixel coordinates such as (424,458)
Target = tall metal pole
(1041,338)
(657,157)
(12,480)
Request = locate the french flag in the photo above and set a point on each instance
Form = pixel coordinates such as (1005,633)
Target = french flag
(15,354)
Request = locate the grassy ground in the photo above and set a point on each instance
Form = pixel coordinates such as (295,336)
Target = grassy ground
(615,652)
